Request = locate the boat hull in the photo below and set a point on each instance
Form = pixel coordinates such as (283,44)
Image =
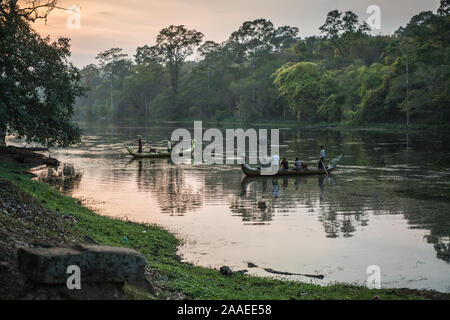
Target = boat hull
(137,155)
(307,172)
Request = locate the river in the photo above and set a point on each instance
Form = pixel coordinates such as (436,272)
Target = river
(387,204)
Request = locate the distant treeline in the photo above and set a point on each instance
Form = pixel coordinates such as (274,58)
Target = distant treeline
(266,73)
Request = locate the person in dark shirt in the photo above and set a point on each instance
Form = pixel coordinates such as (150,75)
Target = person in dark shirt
(285,164)
(140,145)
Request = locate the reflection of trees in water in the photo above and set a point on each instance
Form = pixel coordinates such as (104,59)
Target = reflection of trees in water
(63,178)
(441,245)
(261,198)
(342,209)
(255,211)
(341,212)
(341,224)
(423,202)
(424,205)
(174,195)
(433,216)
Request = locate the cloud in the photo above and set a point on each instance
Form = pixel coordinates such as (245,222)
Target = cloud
(131,23)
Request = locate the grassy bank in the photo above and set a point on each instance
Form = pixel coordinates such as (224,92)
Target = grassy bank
(177,279)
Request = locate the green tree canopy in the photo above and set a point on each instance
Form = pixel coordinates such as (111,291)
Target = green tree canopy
(39,85)
(173,45)
(300,84)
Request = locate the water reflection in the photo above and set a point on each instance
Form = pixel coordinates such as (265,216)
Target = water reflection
(260,197)
(175,196)
(63,178)
(389,201)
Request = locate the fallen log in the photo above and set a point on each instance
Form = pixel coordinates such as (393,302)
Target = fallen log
(317,276)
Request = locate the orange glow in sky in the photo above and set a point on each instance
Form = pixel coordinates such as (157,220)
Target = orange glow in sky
(131,23)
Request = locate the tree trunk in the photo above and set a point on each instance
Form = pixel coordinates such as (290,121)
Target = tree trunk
(111,92)
(2,136)
(407,92)
(175,79)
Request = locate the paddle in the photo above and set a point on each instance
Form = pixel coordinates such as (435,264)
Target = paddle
(323,165)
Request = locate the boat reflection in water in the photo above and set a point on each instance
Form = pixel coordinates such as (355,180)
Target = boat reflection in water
(261,197)
(386,204)
(173,194)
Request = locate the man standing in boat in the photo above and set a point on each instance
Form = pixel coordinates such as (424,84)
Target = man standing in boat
(321,164)
(139,144)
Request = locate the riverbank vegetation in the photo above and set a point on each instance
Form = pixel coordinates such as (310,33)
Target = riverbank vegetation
(38,83)
(262,72)
(172,278)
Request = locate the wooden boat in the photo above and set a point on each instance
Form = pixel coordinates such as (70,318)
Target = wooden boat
(157,154)
(256,172)
(137,155)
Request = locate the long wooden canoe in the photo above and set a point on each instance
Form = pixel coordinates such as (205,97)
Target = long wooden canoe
(157,154)
(256,172)
(138,155)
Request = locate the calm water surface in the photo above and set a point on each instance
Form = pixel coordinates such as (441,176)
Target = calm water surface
(388,204)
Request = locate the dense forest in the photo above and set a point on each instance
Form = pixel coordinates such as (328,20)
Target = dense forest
(263,72)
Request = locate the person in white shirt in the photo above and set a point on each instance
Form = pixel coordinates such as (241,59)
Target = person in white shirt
(322,158)
(275,160)
(275,163)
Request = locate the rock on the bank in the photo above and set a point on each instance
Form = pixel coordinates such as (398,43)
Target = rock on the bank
(97,264)
(103,271)
(226,271)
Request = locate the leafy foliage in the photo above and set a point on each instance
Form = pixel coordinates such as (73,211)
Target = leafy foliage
(39,85)
(263,72)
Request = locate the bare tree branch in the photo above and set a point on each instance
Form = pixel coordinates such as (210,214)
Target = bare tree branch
(30,10)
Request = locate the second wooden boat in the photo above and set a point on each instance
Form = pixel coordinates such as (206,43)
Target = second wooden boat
(138,155)
(256,172)
(157,154)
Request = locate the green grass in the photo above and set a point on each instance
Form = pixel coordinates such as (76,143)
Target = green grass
(159,246)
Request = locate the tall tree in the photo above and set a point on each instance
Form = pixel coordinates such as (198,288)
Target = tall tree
(444,8)
(342,30)
(146,55)
(113,62)
(173,45)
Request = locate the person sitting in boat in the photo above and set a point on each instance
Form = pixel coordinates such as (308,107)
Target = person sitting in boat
(285,164)
(297,165)
(140,144)
(321,164)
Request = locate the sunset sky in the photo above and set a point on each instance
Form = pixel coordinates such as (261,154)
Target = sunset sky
(131,23)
